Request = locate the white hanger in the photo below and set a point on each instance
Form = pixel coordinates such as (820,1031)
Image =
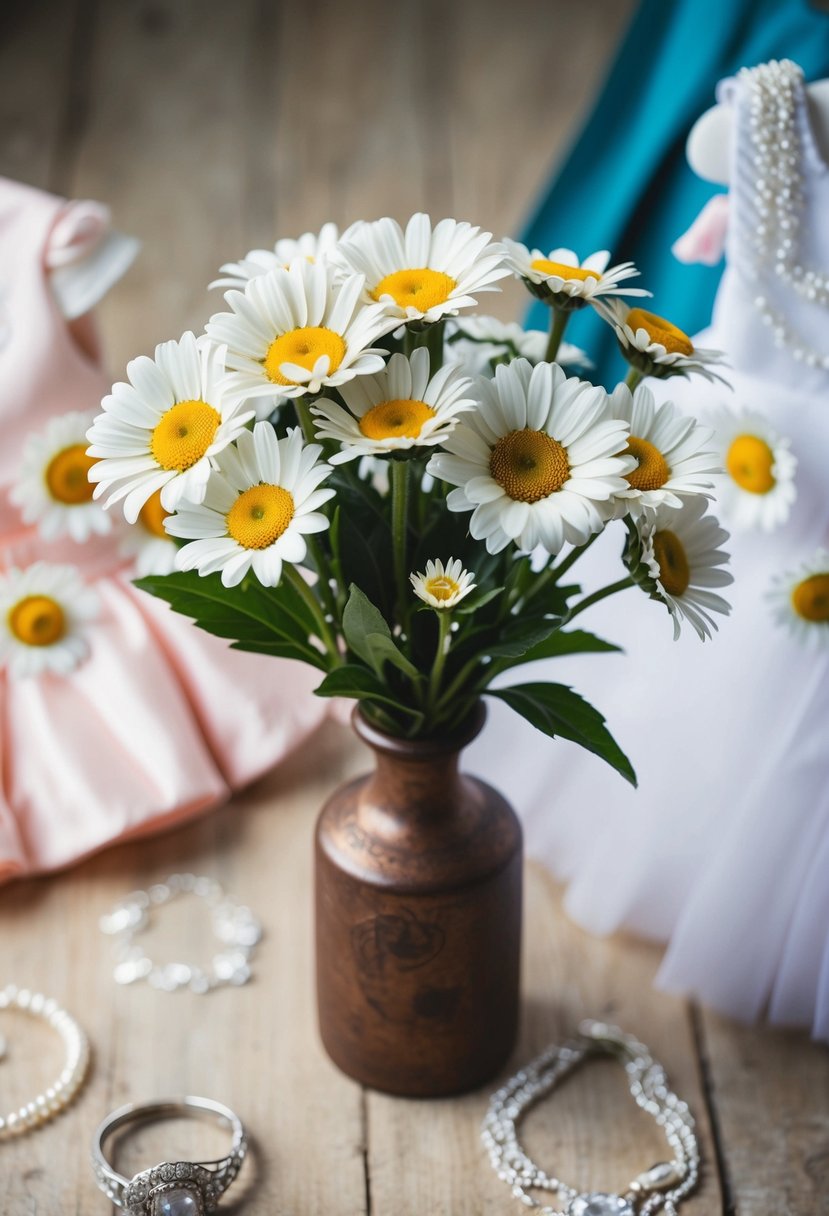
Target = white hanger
(709,145)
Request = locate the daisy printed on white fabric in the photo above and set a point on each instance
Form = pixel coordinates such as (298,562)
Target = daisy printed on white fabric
(261,501)
(680,563)
(799,600)
(562,280)
(312,246)
(161,431)
(538,462)
(397,409)
(442,586)
(148,543)
(673,452)
(53,489)
(45,611)
(297,331)
(424,273)
(759,488)
(656,347)
(480,343)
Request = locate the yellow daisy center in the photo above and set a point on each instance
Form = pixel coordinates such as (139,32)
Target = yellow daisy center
(260,515)
(659,330)
(184,434)
(401,418)
(810,599)
(37,620)
(530,465)
(152,516)
(303,347)
(67,475)
(562,271)
(674,570)
(421,289)
(750,461)
(653,470)
(442,587)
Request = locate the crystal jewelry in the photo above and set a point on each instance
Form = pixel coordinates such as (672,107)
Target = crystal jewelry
(774,90)
(659,1188)
(61,1092)
(234,925)
(172,1188)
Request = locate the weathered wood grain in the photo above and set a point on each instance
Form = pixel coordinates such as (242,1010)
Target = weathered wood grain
(210,128)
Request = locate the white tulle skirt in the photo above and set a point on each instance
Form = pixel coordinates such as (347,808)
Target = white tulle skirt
(723,851)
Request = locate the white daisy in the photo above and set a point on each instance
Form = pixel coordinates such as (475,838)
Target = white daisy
(148,543)
(537,462)
(296,330)
(562,280)
(680,562)
(45,611)
(674,459)
(759,488)
(53,488)
(423,274)
(160,431)
(397,409)
(443,586)
(261,499)
(312,246)
(481,342)
(799,600)
(656,347)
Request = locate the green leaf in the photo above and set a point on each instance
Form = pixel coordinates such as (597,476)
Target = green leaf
(368,635)
(360,619)
(381,649)
(561,642)
(285,650)
(557,710)
(255,617)
(518,636)
(353,680)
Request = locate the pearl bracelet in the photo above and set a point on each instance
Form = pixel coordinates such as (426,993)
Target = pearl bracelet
(62,1092)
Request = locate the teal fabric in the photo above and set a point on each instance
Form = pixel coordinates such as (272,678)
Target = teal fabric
(625,185)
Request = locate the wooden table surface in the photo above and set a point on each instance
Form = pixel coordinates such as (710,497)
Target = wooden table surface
(211,128)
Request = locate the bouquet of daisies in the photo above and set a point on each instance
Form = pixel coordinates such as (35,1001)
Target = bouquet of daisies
(362,476)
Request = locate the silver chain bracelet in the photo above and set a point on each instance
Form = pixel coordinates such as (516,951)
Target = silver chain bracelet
(235,926)
(660,1188)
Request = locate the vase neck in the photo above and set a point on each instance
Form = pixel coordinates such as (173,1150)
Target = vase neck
(417,787)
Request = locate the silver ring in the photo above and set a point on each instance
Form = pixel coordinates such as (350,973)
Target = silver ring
(171,1188)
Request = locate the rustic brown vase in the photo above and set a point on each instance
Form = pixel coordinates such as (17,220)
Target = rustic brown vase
(418,920)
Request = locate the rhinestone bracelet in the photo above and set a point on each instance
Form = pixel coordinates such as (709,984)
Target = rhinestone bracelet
(660,1188)
(62,1091)
(233,924)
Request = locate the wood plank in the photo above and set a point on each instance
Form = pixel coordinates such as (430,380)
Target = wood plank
(39,56)
(589,1132)
(771,1093)
(254,1047)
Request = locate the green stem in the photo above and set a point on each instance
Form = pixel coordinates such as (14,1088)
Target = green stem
(633,378)
(444,625)
(434,343)
(558,324)
(326,634)
(459,681)
(305,419)
(399,512)
(589,600)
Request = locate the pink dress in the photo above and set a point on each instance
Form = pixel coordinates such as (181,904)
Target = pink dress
(162,721)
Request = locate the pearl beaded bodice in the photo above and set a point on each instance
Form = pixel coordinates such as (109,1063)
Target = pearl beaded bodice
(772,309)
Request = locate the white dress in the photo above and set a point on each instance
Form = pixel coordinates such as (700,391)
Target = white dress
(723,851)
